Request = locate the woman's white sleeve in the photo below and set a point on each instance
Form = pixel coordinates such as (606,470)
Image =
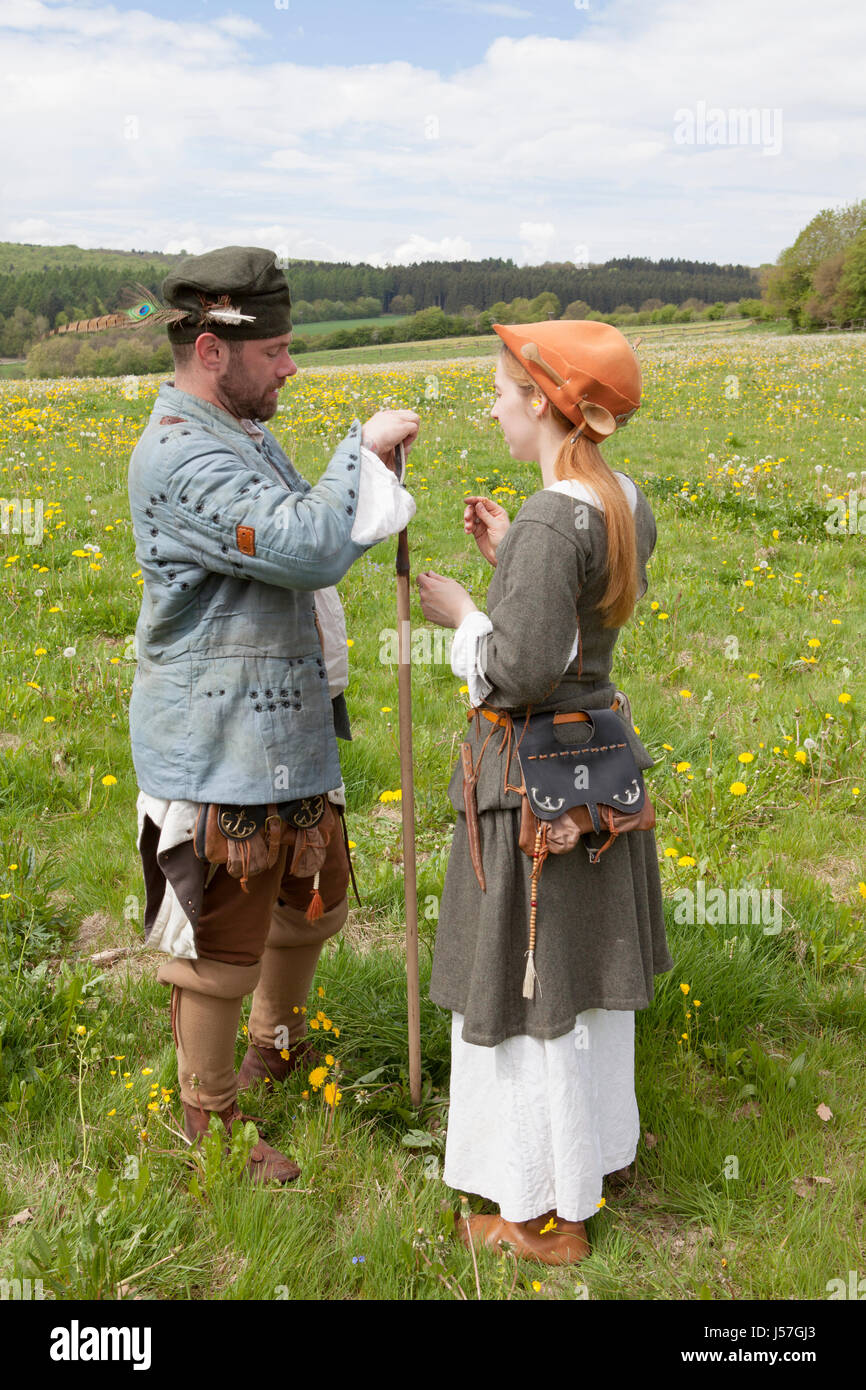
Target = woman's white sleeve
(469,653)
(384,506)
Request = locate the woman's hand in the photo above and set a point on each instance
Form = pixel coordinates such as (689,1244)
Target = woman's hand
(443,600)
(387,428)
(487,522)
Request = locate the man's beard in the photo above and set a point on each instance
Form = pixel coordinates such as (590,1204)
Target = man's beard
(239,395)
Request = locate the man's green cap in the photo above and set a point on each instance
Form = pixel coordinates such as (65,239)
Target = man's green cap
(215,289)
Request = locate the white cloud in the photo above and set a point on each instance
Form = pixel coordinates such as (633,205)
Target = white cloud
(543,145)
(537,238)
(421,248)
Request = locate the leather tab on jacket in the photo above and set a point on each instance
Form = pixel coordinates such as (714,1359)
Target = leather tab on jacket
(246,538)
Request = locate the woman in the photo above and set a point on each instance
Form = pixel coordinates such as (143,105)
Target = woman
(542,1078)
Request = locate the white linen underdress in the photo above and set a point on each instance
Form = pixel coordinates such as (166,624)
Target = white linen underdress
(534,1124)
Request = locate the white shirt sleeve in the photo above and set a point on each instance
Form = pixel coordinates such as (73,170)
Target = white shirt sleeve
(384,506)
(469,654)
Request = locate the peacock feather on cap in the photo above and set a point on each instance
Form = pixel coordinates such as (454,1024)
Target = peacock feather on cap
(139,306)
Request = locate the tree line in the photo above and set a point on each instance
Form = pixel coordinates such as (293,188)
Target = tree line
(820,281)
(59,289)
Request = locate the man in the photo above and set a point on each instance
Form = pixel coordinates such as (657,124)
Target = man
(230,707)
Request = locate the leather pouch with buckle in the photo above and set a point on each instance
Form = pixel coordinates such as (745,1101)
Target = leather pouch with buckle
(247,839)
(579,789)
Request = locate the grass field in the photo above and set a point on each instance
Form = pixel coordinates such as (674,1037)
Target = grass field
(743,670)
(318,330)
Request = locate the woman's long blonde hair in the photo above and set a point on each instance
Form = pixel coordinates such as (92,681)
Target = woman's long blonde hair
(581,458)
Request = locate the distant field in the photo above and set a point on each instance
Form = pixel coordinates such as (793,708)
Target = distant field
(487,344)
(310,330)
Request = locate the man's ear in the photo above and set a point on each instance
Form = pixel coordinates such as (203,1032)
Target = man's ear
(212,352)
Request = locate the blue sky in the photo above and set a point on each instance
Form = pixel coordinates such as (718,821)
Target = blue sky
(395,132)
(443,34)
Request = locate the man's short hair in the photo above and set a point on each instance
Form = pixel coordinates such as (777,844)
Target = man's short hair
(183,352)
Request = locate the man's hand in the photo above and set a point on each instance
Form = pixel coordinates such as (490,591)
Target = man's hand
(487,522)
(443,600)
(387,428)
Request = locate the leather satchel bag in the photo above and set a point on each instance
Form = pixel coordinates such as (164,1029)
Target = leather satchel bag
(574,790)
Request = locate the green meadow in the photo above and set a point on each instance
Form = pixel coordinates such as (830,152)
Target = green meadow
(744,667)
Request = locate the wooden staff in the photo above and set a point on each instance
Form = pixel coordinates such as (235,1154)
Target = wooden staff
(407,802)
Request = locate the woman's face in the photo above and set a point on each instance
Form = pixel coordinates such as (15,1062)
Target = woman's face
(517,419)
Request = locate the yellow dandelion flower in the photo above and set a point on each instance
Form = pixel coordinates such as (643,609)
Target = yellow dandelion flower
(738,789)
(683,767)
(81,1030)
(685,988)
(745,757)
(686,861)
(332,1095)
(602,1202)
(551,1226)
(536,1286)
(844,698)
(686,694)
(800,756)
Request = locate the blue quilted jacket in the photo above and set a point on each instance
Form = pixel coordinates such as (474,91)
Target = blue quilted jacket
(230,699)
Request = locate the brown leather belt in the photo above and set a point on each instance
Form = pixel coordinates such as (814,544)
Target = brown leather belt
(496,717)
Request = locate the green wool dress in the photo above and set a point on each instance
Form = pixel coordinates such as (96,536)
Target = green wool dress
(600,928)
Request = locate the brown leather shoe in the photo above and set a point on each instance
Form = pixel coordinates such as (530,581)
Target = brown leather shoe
(566,1245)
(265,1163)
(261,1063)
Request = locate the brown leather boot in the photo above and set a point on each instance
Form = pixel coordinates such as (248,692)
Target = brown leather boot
(264,1164)
(567,1244)
(262,1062)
